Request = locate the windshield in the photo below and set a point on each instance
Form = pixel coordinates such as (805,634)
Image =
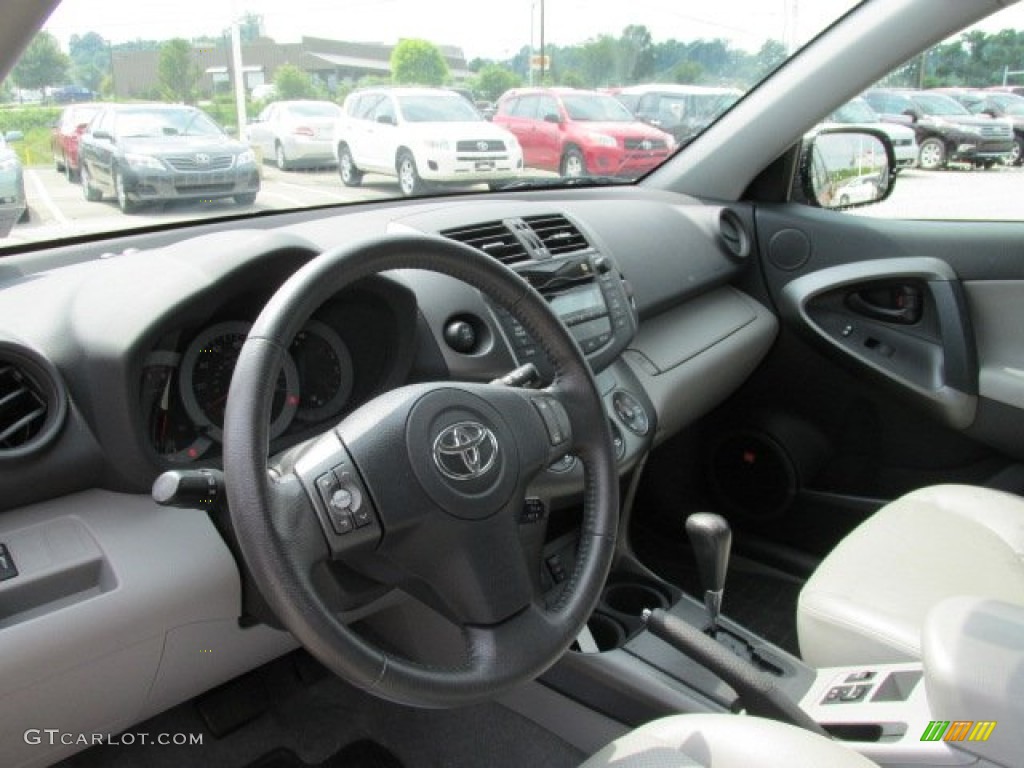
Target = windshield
(518,90)
(314,109)
(856,111)
(596,107)
(937,104)
(1010,104)
(440,107)
(157,123)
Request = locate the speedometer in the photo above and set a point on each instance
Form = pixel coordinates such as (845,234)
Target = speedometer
(325,370)
(206,373)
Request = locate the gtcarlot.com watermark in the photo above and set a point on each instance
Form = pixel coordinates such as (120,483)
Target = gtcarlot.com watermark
(54,736)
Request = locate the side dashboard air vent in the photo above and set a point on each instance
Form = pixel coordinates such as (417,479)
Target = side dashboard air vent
(734,233)
(557,233)
(493,238)
(33,402)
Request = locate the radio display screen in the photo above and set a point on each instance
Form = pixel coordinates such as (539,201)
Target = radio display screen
(577,305)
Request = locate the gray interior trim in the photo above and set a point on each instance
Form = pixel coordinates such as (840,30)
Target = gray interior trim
(971,649)
(580,726)
(997,312)
(690,358)
(121,603)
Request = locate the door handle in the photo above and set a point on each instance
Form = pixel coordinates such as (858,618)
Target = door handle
(900,303)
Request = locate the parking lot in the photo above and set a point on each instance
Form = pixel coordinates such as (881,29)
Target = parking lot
(58,209)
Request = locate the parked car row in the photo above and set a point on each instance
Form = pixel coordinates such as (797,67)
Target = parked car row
(946,131)
(12,185)
(682,110)
(1002,104)
(147,153)
(858,113)
(296,133)
(423,137)
(577,133)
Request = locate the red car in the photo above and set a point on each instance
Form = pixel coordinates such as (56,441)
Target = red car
(578,133)
(64,139)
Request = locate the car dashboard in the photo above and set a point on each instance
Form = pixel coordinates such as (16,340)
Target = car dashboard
(126,350)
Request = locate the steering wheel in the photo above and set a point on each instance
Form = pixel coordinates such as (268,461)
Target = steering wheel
(422,488)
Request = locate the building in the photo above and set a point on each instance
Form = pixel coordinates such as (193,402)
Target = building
(332,62)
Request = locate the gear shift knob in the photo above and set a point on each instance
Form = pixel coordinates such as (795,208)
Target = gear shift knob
(711,539)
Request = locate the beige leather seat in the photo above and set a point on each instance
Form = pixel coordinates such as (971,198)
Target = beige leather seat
(724,741)
(867,601)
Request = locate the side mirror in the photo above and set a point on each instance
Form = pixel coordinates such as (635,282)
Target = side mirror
(913,114)
(847,168)
(386,119)
(14,136)
(551,117)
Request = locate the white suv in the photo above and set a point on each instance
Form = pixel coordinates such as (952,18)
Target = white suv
(423,136)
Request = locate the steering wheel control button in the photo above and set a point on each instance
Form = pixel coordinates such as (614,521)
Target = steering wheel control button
(326,485)
(564,464)
(8,570)
(555,419)
(631,413)
(341,521)
(533,511)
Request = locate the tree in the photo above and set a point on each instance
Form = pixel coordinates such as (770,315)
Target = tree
(572,79)
(687,72)
(290,82)
(769,58)
(42,64)
(636,54)
(418,62)
(597,59)
(177,72)
(90,60)
(493,80)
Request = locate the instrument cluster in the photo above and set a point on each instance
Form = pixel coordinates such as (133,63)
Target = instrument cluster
(184,393)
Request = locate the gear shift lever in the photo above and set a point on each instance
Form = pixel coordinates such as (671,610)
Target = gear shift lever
(711,539)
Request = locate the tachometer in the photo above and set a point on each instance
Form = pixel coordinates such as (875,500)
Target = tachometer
(206,376)
(325,370)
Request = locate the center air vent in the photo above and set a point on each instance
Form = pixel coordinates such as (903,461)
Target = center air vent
(557,234)
(493,238)
(32,401)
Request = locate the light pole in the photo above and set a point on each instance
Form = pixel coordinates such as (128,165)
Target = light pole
(542,58)
(533,7)
(236,62)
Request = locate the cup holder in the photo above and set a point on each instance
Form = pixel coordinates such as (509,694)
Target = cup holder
(631,599)
(607,633)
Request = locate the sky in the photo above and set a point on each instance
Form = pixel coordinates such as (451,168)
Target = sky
(747,23)
(508,24)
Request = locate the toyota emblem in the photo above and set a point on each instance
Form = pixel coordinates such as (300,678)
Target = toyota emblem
(202,159)
(483,146)
(465,451)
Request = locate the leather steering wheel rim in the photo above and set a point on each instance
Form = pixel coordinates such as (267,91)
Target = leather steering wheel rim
(284,542)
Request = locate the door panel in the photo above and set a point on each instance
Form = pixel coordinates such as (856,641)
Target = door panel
(961,360)
(903,320)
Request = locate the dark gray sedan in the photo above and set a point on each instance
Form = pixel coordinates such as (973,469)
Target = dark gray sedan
(143,153)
